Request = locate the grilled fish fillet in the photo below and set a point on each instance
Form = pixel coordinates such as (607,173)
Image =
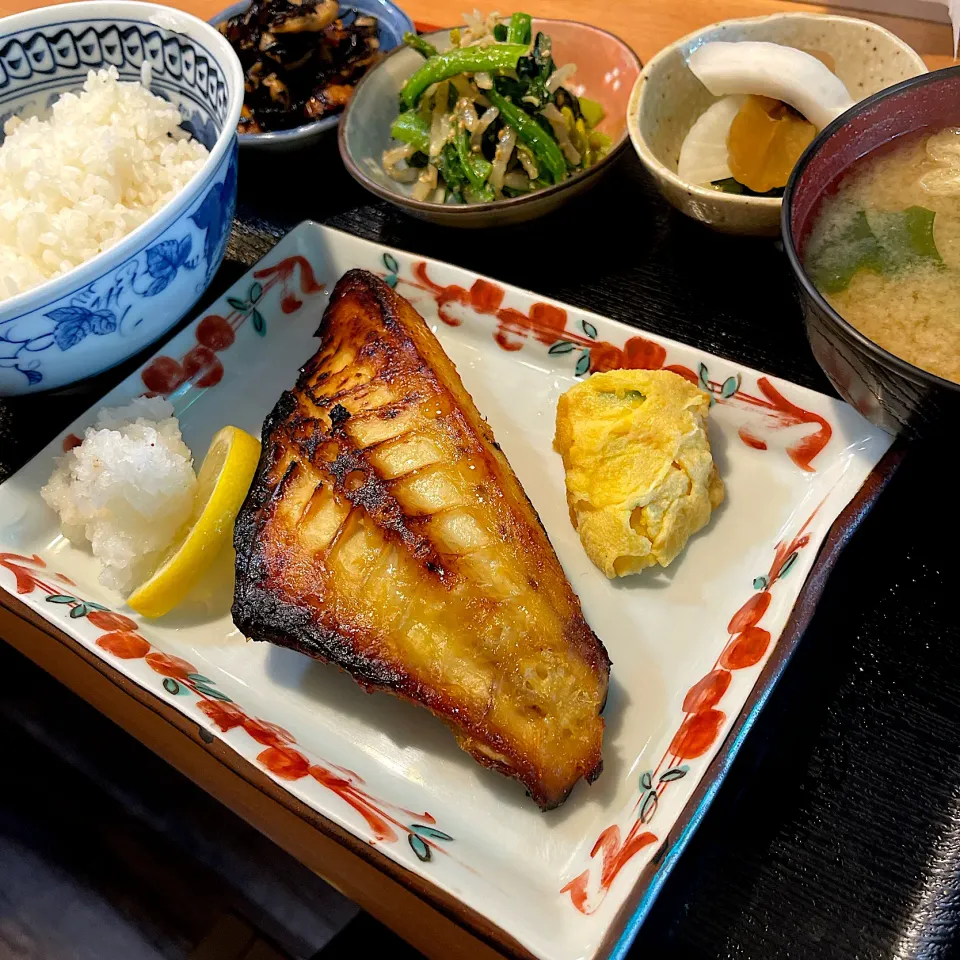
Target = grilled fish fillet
(386,532)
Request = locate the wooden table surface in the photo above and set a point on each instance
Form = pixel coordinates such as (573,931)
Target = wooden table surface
(647,25)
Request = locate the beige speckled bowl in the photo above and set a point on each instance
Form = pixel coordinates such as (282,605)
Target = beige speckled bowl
(668,98)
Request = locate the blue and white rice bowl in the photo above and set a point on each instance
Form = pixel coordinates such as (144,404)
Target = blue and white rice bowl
(126,297)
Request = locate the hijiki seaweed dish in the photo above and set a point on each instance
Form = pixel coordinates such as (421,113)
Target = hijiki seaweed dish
(301,61)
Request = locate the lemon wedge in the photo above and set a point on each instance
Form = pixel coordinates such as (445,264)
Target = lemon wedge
(222,485)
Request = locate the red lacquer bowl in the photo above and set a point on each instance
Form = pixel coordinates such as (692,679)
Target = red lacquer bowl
(888,391)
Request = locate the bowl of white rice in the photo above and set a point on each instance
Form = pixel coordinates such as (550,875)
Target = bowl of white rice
(118,179)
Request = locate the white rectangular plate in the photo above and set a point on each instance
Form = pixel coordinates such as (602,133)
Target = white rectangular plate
(687,643)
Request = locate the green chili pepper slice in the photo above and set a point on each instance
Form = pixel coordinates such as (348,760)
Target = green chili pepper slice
(413,128)
(484,195)
(499,56)
(475,165)
(417,43)
(548,154)
(592,111)
(451,169)
(520,28)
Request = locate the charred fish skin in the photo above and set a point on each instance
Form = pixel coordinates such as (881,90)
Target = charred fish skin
(386,532)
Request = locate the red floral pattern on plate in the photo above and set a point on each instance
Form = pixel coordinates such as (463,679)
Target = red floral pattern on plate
(119,638)
(200,366)
(547,324)
(747,644)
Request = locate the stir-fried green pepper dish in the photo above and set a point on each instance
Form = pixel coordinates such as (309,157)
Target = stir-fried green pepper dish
(491,117)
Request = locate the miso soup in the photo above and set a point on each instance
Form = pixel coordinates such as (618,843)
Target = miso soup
(885,250)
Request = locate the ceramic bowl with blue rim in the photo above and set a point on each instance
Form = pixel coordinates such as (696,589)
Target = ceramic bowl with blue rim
(117,303)
(392,24)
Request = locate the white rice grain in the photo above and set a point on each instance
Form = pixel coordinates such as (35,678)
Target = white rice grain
(78,182)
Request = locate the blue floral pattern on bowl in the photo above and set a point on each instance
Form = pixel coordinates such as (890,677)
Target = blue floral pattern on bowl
(59,56)
(119,302)
(109,309)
